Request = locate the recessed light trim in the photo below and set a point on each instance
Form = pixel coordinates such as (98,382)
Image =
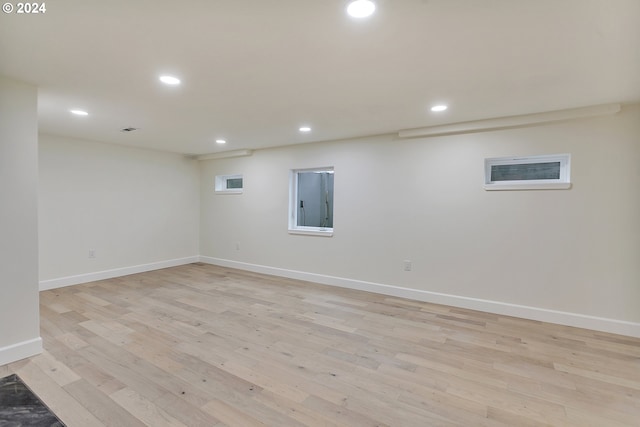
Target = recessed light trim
(221,141)
(361,8)
(170,80)
(79,112)
(305,129)
(439,108)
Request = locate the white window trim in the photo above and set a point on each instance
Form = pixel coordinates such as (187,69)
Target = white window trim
(293,206)
(312,231)
(563,183)
(221,184)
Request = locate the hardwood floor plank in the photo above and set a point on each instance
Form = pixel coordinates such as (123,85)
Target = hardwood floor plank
(186,412)
(143,409)
(295,410)
(199,345)
(340,412)
(68,409)
(231,415)
(56,370)
(105,409)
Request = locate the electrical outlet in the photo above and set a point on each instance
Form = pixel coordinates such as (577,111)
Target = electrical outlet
(407,265)
(92,253)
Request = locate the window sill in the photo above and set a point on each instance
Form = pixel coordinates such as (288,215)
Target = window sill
(326,232)
(228,191)
(545,186)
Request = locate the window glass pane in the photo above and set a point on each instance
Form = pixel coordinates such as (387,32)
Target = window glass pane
(234,183)
(315,199)
(525,171)
(230,184)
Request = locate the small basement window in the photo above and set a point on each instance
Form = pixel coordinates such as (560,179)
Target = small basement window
(528,173)
(230,184)
(311,201)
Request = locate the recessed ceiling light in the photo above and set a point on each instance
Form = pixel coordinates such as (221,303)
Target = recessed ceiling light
(438,108)
(170,80)
(305,129)
(220,141)
(361,8)
(79,112)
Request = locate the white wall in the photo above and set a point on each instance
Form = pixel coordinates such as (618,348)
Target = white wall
(569,256)
(138,209)
(19,316)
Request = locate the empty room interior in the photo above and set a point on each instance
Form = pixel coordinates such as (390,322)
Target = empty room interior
(329,213)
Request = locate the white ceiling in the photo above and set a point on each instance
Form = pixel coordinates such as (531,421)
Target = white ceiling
(254,71)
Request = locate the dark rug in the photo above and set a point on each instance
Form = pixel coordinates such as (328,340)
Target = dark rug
(20,407)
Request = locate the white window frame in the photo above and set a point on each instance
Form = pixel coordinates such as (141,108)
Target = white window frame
(293,205)
(222,182)
(562,183)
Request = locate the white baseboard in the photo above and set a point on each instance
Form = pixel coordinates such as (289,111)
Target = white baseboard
(526,312)
(20,350)
(116,272)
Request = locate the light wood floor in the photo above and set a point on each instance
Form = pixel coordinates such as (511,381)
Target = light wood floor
(200,345)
